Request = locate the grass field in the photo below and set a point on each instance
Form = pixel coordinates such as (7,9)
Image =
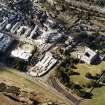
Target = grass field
(83,69)
(98,98)
(98,93)
(12,78)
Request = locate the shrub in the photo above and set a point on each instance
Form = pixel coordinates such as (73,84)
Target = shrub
(88,85)
(2,87)
(88,75)
(101,3)
(85,94)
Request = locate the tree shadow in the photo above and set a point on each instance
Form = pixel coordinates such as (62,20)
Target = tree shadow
(75,73)
(97,61)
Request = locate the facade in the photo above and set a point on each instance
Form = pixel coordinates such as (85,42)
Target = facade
(15,27)
(5,42)
(43,66)
(88,56)
(33,32)
(23,52)
(3,23)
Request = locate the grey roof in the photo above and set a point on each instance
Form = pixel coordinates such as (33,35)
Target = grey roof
(5,41)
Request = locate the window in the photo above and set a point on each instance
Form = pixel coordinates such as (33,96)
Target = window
(87,54)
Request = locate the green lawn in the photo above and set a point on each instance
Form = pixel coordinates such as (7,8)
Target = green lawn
(98,93)
(83,69)
(98,98)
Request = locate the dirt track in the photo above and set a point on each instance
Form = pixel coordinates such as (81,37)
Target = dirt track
(69,96)
(6,101)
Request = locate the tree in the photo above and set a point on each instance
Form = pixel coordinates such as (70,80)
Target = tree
(85,94)
(83,35)
(24,6)
(64,77)
(101,3)
(88,75)
(2,87)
